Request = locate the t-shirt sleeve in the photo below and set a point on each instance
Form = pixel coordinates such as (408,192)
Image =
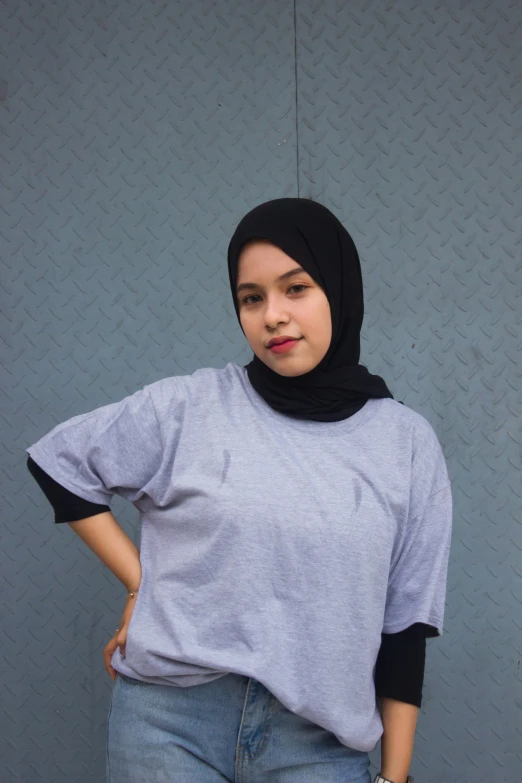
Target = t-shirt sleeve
(114,449)
(418,572)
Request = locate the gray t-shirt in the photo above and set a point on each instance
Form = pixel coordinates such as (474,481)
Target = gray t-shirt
(276,548)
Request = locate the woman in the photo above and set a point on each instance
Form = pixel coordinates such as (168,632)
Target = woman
(296,525)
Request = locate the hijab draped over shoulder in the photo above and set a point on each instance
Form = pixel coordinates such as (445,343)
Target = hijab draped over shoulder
(309,233)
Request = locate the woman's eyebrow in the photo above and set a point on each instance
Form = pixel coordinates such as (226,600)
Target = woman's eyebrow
(297,270)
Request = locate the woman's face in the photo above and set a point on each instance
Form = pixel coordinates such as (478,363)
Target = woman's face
(295,306)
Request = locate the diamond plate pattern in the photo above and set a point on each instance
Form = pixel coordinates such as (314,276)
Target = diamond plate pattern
(409,129)
(136,135)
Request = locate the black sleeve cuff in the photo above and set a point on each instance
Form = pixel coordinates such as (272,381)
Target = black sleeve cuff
(399,671)
(67,506)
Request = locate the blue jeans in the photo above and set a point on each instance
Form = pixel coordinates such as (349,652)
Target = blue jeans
(230,729)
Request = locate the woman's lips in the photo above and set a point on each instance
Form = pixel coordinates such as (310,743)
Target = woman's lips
(284,347)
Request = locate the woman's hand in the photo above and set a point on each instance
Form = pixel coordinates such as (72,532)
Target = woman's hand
(120,637)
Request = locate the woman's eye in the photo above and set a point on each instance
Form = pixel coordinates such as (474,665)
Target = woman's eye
(297,285)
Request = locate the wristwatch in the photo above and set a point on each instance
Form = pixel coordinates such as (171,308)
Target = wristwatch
(379,779)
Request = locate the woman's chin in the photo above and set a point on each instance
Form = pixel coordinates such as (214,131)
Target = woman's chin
(290,368)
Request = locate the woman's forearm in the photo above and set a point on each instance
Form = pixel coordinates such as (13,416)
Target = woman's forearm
(399,721)
(108,540)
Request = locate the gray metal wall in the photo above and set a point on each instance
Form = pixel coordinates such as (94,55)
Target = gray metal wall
(135,135)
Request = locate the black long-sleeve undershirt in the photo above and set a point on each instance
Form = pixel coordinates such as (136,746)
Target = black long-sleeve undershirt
(67,506)
(399,671)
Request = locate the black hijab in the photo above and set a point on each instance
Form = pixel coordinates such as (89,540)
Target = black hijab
(309,233)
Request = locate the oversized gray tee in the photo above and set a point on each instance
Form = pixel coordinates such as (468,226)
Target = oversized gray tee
(273,547)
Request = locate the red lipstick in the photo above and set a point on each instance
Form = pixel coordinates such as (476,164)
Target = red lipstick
(283,347)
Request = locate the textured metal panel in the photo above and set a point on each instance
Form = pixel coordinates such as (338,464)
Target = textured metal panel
(408,115)
(135,135)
